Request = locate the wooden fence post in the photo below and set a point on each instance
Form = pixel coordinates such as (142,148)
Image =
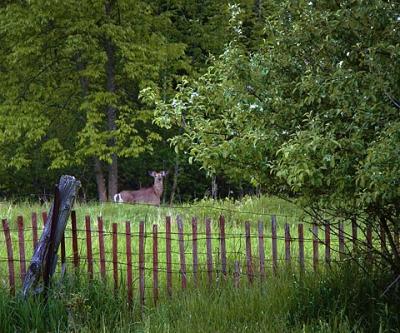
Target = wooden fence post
(315,246)
(168,254)
(209,251)
(261,250)
(44,257)
(129,261)
(287,244)
(301,247)
(50,259)
(327,244)
(155,264)
(141,262)
(181,251)
(89,252)
(10,256)
(194,247)
(44,218)
(115,254)
(274,245)
(222,244)
(21,242)
(249,262)
(74,239)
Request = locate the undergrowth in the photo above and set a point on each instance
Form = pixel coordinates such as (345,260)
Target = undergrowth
(341,299)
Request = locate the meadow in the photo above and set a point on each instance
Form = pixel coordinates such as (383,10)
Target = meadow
(339,298)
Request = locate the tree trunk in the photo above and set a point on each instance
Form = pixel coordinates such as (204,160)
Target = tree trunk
(175,180)
(214,187)
(111,110)
(98,171)
(101,183)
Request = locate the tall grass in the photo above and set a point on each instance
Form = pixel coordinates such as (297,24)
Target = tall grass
(341,300)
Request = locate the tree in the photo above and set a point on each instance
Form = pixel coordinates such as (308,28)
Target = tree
(309,115)
(71,74)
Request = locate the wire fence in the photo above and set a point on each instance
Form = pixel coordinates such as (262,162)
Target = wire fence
(178,253)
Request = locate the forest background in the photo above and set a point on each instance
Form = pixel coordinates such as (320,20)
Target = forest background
(71,76)
(293,98)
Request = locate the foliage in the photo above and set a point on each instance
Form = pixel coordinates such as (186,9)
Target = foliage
(309,113)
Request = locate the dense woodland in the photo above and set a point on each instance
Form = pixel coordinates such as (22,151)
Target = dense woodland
(294,98)
(71,76)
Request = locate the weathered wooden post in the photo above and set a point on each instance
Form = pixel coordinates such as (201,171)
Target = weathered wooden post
(44,259)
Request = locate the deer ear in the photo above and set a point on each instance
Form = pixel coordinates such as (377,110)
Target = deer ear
(164,173)
(152,173)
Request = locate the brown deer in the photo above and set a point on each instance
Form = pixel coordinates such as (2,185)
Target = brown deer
(148,195)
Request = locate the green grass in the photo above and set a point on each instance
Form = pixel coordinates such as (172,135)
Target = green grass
(235,212)
(338,299)
(344,299)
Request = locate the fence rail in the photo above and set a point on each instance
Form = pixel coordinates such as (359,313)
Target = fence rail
(183,251)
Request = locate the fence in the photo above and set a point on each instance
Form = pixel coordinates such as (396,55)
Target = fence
(163,250)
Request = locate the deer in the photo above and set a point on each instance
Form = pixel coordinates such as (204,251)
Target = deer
(148,195)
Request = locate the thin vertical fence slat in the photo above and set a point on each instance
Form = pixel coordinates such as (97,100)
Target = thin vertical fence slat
(10,256)
(300,230)
(115,254)
(341,241)
(369,242)
(155,264)
(354,233)
(315,247)
(168,254)
(128,261)
(141,262)
(75,252)
(44,217)
(21,243)
(89,251)
(222,244)
(327,243)
(100,228)
(194,248)
(236,274)
(274,245)
(287,244)
(249,261)
(261,250)
(181,252)
(34,230)
(209,251)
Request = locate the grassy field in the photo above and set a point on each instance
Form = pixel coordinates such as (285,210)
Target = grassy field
(339,299)
(343,300)
(235,212)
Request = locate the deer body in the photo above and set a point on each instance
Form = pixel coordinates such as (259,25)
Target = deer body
(148,195)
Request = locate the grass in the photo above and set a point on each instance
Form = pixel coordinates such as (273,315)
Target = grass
(341,300)
(337,299)
(235,212)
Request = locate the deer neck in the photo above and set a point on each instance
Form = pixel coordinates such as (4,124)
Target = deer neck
(158,188)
